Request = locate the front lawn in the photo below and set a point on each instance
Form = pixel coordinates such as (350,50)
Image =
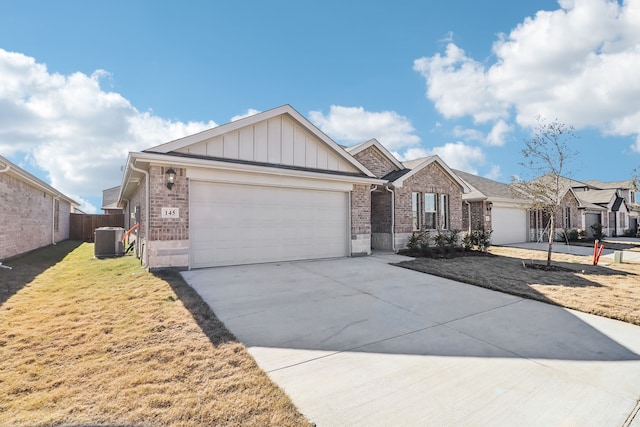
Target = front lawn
(606,290)
(103,342)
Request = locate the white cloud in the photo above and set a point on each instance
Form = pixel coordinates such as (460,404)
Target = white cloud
(355,125)
(495,173)
(457,155)
(578,64)
(250,112)
(468,134)
(71,128)
(498,134)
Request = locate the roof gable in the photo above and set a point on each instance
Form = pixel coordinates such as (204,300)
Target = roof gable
(374,144)
(281,137)
(485,188)
(417,165)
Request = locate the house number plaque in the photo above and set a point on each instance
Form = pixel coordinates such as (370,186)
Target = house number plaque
(170,213)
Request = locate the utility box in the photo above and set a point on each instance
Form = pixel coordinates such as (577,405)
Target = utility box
(108,242)
(617,257)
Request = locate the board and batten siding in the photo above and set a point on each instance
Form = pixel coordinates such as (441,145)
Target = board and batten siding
(279,140)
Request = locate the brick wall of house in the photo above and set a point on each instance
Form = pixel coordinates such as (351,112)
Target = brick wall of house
(375,161)
(361,219)
(26,217)
(538,231)
(479,216)
(381,212)
(570,201)
(360,210)
(431,179)
(176,197)
(168,242)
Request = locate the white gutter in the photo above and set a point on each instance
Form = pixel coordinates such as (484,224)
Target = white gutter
(6,168)
(147,213)
(393,219)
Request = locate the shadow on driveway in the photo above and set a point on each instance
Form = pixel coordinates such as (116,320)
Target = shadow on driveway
(364,305)
(359,342)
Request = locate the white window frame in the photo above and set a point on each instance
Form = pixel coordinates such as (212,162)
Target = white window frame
(416,212)
(430,214)
(444,211)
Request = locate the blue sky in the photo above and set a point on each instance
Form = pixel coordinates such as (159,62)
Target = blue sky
(83,83)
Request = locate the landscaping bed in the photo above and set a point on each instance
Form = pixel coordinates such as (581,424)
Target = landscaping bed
(103,342)
(606,290)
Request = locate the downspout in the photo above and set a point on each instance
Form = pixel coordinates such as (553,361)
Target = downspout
(147,213)
(53,219)
(393,225)
(468,216)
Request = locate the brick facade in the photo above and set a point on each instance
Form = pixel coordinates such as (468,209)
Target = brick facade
(163,197)
(361,220)
(431,179)
(480,216)
(360,210)
(538,231)
(27,217)
(375,161)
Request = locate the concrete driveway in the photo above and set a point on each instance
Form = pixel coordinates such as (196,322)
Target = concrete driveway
(358,342)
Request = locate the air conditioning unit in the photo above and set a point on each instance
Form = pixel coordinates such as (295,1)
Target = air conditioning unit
(108,242)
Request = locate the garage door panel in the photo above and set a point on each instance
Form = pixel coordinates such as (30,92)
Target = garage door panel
(509,225)
(240,224)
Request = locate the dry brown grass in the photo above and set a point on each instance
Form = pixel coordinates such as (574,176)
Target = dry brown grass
(606,290)
(104,342)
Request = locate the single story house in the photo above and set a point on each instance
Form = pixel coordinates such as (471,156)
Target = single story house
(493,205)
(33,214)
(265,188)
(419,195)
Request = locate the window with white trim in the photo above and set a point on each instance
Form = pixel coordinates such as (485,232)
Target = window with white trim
(430,211)
(567,217)
(415,210)
(444,211)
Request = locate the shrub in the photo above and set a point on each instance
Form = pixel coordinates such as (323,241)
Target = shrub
(481,238)
(467,242)
(440,239)
(597,231)
(415,242)
(452,238)
(569,235)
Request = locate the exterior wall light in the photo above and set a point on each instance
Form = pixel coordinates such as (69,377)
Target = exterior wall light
(489,206)
(171,177)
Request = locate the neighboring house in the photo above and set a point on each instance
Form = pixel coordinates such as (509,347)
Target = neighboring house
(631,216)
(492,205)
(32,213)
(613,215)
(423,194)
(270,187)
(110,201)
(585,203)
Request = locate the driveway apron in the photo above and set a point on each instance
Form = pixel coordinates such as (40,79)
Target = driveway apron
(359,342)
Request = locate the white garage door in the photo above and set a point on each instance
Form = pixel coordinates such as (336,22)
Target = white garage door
(244,224)
(509,225)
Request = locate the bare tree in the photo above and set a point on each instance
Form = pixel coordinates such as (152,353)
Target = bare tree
(544,182)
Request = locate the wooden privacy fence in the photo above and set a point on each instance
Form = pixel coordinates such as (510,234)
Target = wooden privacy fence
(82,226)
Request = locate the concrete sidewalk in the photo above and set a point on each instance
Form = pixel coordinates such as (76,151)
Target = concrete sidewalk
(358,342)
